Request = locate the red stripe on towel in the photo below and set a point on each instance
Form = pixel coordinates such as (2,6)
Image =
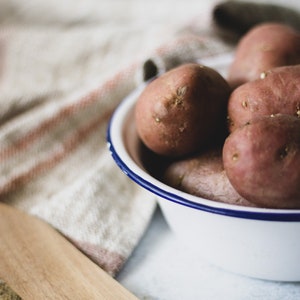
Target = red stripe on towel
(68,111)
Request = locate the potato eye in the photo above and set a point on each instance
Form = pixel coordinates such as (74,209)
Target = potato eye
(235,156)
(283,152)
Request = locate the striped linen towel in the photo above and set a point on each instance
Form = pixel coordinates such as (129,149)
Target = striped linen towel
(60,81)
(63,71)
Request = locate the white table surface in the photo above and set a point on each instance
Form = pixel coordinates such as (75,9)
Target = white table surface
(162,268)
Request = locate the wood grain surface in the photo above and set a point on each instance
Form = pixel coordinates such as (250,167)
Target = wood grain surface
(39,263)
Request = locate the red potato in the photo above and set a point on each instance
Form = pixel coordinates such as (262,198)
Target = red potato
(203,175)
(264,47)
(262,161)
(183,110)
(277,92)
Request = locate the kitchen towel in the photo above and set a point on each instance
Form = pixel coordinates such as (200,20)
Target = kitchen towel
(64,68)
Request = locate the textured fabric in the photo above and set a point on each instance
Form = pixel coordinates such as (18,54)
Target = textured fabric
(64,67)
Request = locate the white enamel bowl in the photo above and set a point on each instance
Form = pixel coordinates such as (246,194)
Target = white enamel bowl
(256,242)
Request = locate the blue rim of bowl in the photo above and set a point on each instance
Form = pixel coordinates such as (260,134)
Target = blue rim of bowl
(265,214)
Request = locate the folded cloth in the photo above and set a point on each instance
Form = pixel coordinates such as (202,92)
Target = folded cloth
(63,71)
(54,159)
(236,18)
(61,78)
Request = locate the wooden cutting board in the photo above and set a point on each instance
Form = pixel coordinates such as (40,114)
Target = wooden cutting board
(39,263)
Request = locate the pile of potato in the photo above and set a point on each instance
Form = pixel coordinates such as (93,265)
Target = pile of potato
(234,140)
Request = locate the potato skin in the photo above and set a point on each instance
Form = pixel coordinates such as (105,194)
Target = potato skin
(183,110)
(264,47)
(262,161)
(277,92)
(203,175)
